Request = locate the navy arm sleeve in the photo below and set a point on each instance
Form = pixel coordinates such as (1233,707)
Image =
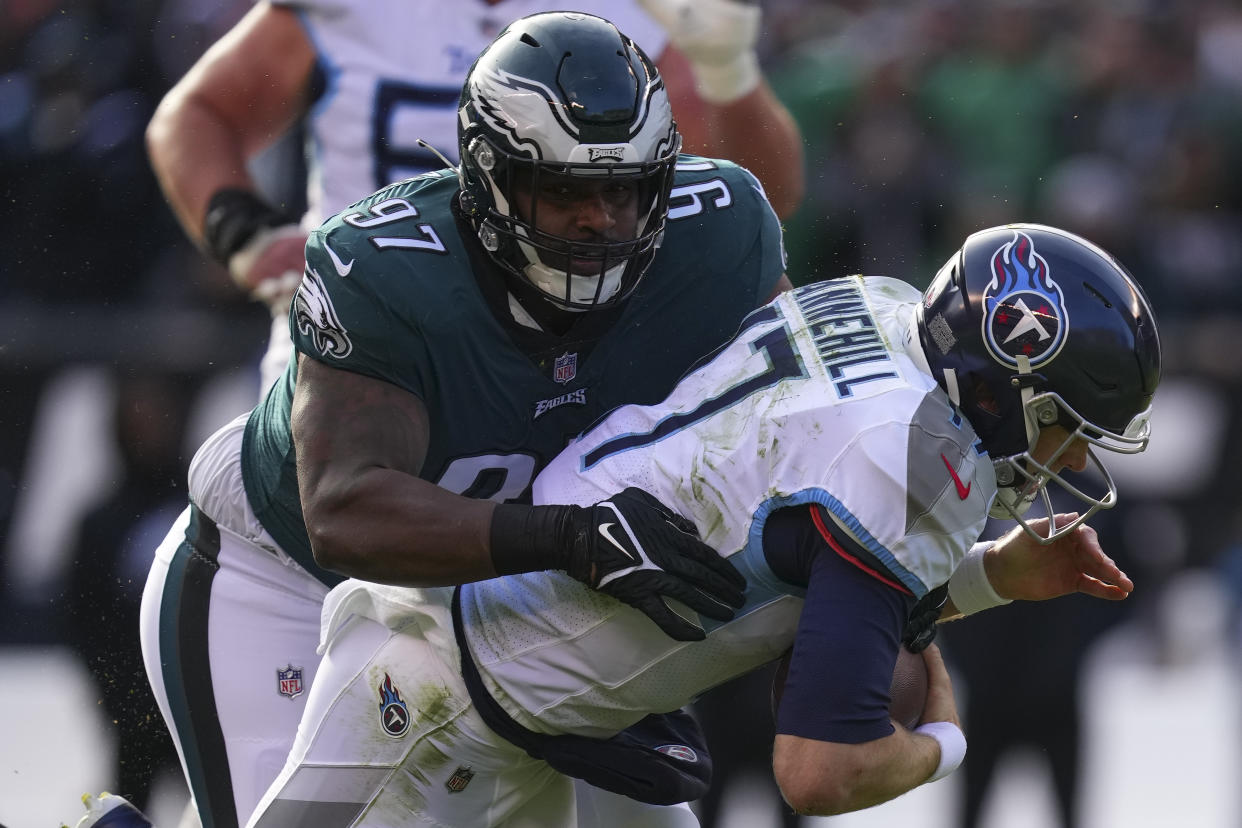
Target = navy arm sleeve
(846,645)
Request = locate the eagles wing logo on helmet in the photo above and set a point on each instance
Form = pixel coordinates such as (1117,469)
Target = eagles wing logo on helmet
(506,101)
(1026,313)
(316,318)
(518,107)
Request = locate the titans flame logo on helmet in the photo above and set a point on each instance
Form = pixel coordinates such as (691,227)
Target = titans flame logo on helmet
(1026,313)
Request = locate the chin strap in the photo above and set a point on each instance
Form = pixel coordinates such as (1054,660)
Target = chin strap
(951,388)
(1007,474)
(1026,392)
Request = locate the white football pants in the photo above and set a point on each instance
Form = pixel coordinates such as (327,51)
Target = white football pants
(230,629)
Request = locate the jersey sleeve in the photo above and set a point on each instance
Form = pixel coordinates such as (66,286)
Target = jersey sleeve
(846,643)
(768,249)
(902,492)
(341,317)
(722,211)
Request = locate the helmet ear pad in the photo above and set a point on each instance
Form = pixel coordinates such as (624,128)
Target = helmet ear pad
(997,417)
(475,173)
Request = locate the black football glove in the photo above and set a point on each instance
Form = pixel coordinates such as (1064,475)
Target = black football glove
(921,623)
(635,549)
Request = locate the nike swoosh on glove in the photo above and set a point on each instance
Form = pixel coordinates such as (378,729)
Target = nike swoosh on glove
(634,548)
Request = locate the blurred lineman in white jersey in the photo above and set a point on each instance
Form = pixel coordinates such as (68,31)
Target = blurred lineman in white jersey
(370,80)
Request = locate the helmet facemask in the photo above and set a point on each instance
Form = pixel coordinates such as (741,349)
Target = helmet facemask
(1021,478)
(561,116)
(574,273)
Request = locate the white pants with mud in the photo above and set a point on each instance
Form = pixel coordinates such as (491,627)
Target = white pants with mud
(230,633)
(390,739)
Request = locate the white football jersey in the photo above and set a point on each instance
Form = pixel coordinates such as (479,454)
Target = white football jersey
(393,72)
(823,397)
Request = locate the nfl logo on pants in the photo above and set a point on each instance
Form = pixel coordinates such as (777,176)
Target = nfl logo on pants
(289,681)
(459,780)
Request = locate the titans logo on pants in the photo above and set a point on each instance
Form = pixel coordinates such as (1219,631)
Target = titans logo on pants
(1026,313)
(394,715)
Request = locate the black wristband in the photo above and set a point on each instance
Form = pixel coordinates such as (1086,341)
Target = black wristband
(529,538)
(233,217)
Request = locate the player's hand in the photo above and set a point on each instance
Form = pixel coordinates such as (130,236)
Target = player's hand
(269,266)
(921,622)
(941,705)
(1019,568)
(718,38)
(635,549)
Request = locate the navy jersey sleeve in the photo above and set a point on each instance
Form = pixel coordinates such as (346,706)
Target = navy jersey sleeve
(846,645)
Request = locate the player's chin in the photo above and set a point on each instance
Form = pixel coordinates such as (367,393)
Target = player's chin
(595,263)
(571,265)
(586,267)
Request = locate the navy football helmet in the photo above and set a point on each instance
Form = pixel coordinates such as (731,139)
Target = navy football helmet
(1029,326)
(565,95)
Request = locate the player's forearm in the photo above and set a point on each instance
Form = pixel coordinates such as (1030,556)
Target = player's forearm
(723,106)
(245,92)
(392,528)
(825,778)
(194,154)
(360,443)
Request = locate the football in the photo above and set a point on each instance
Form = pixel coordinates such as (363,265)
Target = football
(907,693)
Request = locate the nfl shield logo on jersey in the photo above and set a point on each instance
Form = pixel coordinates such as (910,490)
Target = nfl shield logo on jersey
(459,780)
(394,715)
(289,681)
(565,368)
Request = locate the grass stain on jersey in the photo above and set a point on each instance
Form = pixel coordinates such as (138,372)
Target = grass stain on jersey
(710,500)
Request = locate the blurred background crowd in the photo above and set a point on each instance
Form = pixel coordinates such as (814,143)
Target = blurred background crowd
(122,347)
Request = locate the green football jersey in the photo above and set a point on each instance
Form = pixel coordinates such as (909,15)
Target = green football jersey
(391,292)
